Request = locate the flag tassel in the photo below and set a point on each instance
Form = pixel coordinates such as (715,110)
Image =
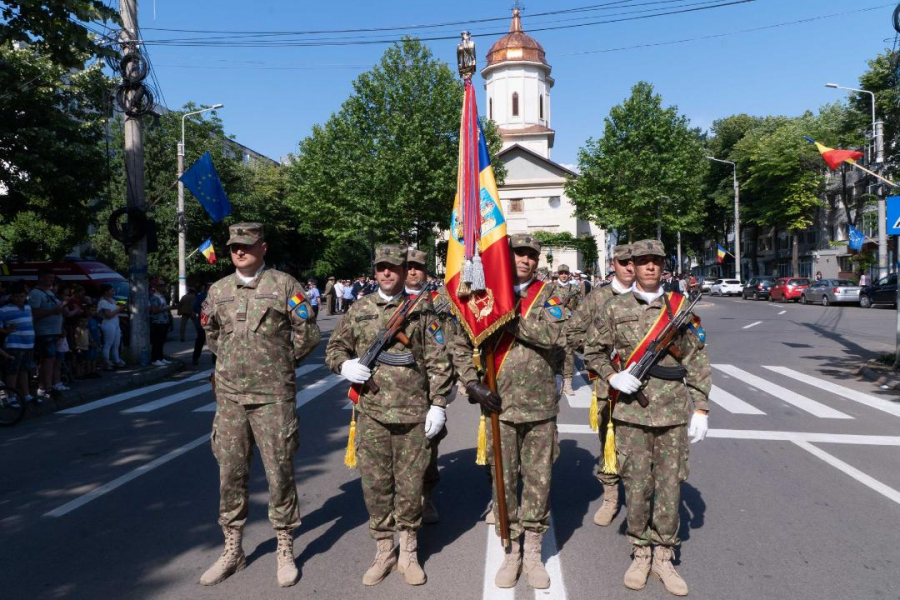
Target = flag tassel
(477,281)
(609,451)
(594,412)
(481,452)
(350,454)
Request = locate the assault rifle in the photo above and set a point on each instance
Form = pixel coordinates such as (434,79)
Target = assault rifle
(657,348)
(383,339)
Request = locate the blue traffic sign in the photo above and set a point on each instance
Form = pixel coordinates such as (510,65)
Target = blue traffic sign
(893,215)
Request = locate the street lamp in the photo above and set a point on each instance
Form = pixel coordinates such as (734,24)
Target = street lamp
(182,222)
(878,144)
(737,217)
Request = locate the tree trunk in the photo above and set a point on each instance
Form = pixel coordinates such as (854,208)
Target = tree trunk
(795,256)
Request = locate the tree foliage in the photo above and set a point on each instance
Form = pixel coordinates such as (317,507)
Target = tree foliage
(585,244)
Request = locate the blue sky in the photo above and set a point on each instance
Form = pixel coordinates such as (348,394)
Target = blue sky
(273,96)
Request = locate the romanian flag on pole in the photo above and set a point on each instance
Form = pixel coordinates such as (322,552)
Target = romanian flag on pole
(833,157)
(479,275)
(207,250)
(720,253)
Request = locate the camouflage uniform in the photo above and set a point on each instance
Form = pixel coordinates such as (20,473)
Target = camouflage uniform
(651,443)
(526,385)
(392,451)
(571,295)
(258,339)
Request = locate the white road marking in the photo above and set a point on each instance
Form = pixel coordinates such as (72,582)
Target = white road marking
(302,370)
(317,389)
(582,397)
(850,394)
(771,436)
(169,400)
(866,480)
(751,325)
(348,406)
(802,402)
(493,558)
(782,312)
(115,399)
(732,404)
(550,558)
(120,481)
(777,306)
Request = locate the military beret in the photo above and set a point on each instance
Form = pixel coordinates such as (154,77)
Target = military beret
(390,254)
(622,252)
(414,255)
(562,269)
(245,233)
(648,248)
(524,240)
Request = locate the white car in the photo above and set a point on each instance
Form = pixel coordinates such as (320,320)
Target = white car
(726,287)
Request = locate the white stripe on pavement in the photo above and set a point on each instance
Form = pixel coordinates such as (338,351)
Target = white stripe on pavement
(870,482)
(318,388)
(732,404)
(582,397)
(168,400)
(493,558)
(550,558)
(772,436)
(782,312)
(115,399)
(751,325)
(850,394)
(120,481)
(302,370)
(802,402)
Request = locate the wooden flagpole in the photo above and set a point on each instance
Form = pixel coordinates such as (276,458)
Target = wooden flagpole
(490,378)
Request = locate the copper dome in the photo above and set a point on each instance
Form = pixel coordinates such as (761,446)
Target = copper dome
(516,45)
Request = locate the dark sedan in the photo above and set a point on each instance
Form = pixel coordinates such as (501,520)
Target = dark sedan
(882,292)
(758,288)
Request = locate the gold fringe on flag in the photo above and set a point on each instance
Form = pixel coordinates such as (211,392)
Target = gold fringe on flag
(594,412)
(481,452)
(350,455)
(609,451)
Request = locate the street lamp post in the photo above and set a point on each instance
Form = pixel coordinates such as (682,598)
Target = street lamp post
(737,217)
(181,221)
(878,144)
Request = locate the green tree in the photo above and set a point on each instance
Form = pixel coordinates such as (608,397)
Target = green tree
(882,79)
(647,169)
(585,244)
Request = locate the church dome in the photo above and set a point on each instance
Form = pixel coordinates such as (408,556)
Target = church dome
(516,46)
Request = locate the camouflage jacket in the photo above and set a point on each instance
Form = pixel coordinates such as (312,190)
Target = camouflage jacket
(570,294)
(258,337)
(588,309)
(621,325)
(406,392)
(526,382)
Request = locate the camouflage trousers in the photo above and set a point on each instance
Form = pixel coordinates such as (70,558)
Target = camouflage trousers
(568,363)
(392,458)
(273,428)
(529,451)
(432,474)
(604,478)
(653,461)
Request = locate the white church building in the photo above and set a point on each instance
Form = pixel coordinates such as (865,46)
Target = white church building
(517,84)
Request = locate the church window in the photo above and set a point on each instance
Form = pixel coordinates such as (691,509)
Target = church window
(541,107)
(515,104)
(515,205)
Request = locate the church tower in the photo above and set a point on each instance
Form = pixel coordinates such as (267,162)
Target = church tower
(517,82)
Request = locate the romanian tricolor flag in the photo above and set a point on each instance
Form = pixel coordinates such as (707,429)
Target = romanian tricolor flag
(207,250)
(478,235)
(834,158)
(720,253)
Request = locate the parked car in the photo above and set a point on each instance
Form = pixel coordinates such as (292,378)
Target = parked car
(725,287)
(757,288)
(830,291)
(787,289)
(882,292)
(706,284)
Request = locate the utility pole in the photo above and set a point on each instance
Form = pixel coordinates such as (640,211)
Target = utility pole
(139,341)
(737,228)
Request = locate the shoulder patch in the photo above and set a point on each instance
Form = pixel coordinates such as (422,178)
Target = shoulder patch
(553,305)
(434,329)
(205,310)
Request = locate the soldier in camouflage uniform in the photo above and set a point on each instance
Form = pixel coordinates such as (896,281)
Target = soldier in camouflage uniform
(257,324)
(396,424)
(652,442)
(571,294)
(576,331)
(528,403)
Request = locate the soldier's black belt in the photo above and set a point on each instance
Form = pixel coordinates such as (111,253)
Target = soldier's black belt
(398,359)
(668,373)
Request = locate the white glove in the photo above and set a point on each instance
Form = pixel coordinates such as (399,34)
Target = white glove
(354,372)
(698,427)
(434,421)
(625,382)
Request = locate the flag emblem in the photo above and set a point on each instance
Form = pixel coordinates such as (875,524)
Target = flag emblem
(207,250)
(298,305)
(697,329)
(435,330)
(554,307)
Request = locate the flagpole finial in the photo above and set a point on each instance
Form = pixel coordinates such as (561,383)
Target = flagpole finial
(465,56)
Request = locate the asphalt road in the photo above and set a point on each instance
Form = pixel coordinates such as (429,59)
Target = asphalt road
(793,495)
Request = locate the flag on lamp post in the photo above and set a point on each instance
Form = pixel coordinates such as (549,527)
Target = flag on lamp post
(202,180)
(207,250)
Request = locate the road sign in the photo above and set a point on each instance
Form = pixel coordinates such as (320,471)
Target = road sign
(893,215)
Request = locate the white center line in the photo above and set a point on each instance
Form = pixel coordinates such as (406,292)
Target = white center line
(870,482)
(493,558)
(115,399)
(751,325)
(782,312)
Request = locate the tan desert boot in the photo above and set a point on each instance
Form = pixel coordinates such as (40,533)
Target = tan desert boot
(508,574)
(607,511)
(230,562)
(385,562)
(532,565)
(665,570)
(287,571)
(568,390)
(636,575)
(429,512)
(409,559)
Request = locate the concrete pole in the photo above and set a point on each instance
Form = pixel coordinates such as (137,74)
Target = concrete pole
(139,340)
(181,223)
(737,227)
(680,264)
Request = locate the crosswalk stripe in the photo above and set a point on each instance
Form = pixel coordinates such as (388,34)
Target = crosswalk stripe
(850,394)
(772,436)
(550,558)
(731,403)
(300,371)
(311,392)
(169,400)
(493,558)
(802,402)
(117,398)
(582,397)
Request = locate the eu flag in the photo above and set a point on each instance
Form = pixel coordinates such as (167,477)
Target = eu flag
(857,238)
(203,182)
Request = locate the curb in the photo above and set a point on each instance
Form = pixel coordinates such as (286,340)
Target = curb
(881,378)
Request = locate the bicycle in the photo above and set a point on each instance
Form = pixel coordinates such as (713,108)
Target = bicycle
(11,411)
